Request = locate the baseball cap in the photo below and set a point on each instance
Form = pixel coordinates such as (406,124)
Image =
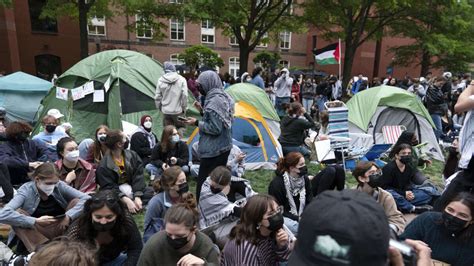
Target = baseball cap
(55,113)
(342,228)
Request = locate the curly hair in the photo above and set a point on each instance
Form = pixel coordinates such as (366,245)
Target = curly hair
(67,252)
(16,128)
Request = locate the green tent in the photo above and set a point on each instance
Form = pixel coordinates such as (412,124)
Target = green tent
(131,78)
(364,104)
(254,96)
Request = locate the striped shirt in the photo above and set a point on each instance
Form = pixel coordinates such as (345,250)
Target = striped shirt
(266,252)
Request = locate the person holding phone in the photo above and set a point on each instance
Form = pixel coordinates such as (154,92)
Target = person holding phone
(260,231)
(42,209)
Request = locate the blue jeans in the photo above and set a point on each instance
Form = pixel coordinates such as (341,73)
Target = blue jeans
(291,224)
(321,100)
(438,124)
(301,149)
(307,103)
(405,206)
(119,261)
(279,101)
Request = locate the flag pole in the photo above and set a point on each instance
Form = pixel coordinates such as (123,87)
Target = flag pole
(340,48)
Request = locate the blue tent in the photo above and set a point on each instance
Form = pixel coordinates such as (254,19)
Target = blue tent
(21,94)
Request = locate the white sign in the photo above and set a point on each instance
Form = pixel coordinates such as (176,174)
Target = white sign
(61,93)
(98,96)
(89,88)
(107,84)
(77,93)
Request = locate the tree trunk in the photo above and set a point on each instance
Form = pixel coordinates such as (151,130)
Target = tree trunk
(347,67)
(244,53)
(425,63)
(84,40)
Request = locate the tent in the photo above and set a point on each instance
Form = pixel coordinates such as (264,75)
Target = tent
(252,135)
(127,81)
(257,98)
(376,107)
(21,94)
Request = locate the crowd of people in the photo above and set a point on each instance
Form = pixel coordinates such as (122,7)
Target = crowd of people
(87,193)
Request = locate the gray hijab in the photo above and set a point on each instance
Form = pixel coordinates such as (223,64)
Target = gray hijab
(217,100)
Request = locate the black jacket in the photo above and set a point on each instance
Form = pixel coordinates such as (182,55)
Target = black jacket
(140,144)
(278,190)
(107,175)
(435,102)
(293,130)
(180,152)
(17,156)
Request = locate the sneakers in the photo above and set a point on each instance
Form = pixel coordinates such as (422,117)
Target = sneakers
(422,209)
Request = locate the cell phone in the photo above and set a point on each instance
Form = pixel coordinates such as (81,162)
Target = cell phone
(408,253)
(58,217)
(182,118)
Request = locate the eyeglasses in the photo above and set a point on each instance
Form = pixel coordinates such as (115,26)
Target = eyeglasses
(279,210)
(109,199)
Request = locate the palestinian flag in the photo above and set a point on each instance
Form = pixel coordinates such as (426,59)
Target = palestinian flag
(328,55)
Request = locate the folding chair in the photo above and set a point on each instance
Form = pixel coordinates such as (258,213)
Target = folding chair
(338,127)
(392,133)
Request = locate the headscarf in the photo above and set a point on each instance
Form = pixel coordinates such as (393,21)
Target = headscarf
(217,100)
(169,67)
(148,133)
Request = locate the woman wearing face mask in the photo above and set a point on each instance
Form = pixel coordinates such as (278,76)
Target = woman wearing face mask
(399,179)
(98,149)
(367,175)
(143,140)
(76,172)
(293,129)
(217,213)
(180,243)
(291,188)
(171,151)
(259,238)
(449,233)
(174,190)
(122,170)
(42,209)
(418,159)
(21,154)
(107,226)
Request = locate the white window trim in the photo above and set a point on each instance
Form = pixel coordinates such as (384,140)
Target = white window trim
(136,29)
(209,32)
(234,66)
(95,22)
(263,45)
(231,43)
(289,41)
(287,66)
(174,59)
(184,30)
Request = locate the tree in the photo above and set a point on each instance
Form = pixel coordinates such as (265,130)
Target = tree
(267,60)
(443,34)
(200,55)
(6,3)
(249,21)
(355,22)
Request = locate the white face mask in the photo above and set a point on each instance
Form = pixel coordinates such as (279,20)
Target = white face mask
(72,156)
(47,189)
(175,138)
(101,137)
(147,124)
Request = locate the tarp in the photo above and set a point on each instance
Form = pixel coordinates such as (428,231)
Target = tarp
(132,77)
(21,94)
(363,105)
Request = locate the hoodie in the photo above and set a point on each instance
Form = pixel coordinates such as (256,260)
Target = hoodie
(283,84)
(171,96)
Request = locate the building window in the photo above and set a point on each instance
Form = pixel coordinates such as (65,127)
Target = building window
(284,63)
(96,26)
(263,44)
(233,40)
(177,30)
(174,59)
(208,31)
(47,65)
(234,64)
(285,40)
(144,31)
(44,24)
(176,1)
(289,10)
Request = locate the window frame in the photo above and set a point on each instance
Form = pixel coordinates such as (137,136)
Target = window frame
(138,20)
(281,41)
(178,21)
(96,26)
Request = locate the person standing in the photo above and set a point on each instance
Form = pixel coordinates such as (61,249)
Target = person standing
(171,96)
(257,79)
(436,104)
(283,91)
(309,93)
(215,128)
(465,103)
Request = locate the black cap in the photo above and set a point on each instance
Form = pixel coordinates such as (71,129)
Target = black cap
(342,228)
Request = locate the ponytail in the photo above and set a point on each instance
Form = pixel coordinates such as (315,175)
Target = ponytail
(290,160)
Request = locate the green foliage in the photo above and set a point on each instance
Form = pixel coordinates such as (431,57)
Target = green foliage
(443,34)
(267,59)
(200,55)
(6,3)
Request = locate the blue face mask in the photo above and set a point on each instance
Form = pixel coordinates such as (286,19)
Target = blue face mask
(174,139)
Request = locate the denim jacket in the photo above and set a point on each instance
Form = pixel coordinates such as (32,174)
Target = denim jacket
(28,199)
(155,214)
(215,138)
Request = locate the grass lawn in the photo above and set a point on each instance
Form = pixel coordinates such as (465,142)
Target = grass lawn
(261,178)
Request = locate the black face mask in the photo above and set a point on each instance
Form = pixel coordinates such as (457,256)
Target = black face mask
(22,136)
(452,223)
(303,170)
(276,222)
(216,190)
(201,91)
(415,142)
(103,227)
(50,128)
(177,243)
(375,180)
(183,188)
(126,144)
(405,159)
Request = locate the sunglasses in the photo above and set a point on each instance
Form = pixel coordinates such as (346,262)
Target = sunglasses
(109,199)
